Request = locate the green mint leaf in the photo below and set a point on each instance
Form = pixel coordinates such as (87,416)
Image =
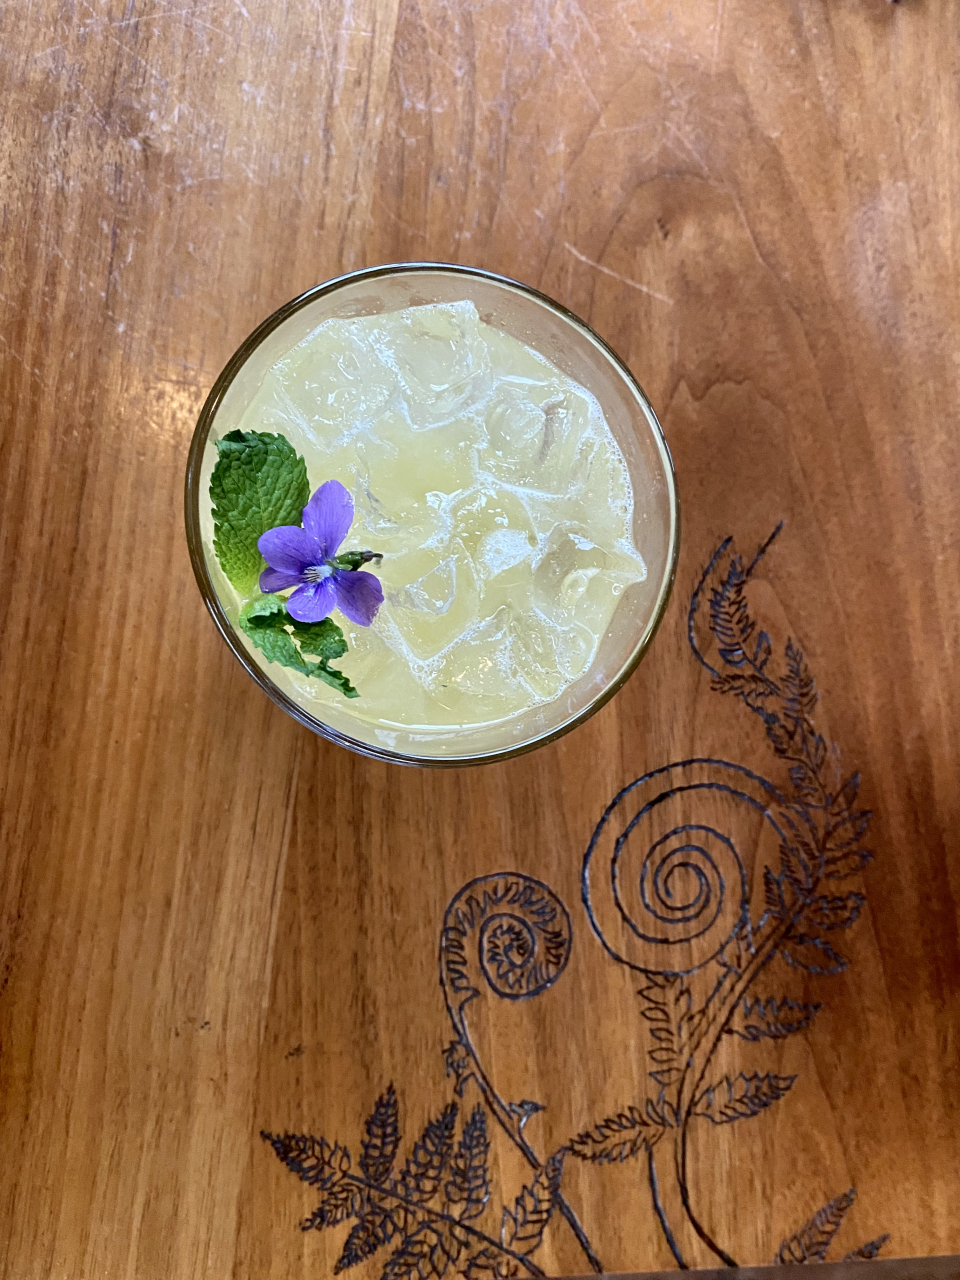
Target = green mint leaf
(259,482)
(336,679)
(320,639)
(324,640)
(265,620)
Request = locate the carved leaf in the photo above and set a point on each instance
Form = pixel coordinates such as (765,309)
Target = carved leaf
(868,1250)
(490,1264)
(845,865)
(617,1138)
(661,1113)
(834,912)
(457,1063)
(421,1176)
(338,1204)
(805,782)
(779,736)
(741,1098)
(375,1229)
(796,867)
(669,1007)
(771,1019)
(735,954)
(811,1242)
(730,620)
(773,896)
(761,654)
(815,955)
(382,1140)
(747,685)
(802,842)
(848,831)
(314,1160)
(429,1251)
(468,1188)
(799,688)
(846,797)
(522,1230)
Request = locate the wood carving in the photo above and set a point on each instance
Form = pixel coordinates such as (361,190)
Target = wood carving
(669,895)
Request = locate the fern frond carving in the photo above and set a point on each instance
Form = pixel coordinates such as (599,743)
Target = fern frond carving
(618,1138)
(429,1210)
(811,1242)
(468,1188)
(866,1252)
(522,1227)
(691,926)
(422,1174)
(382,1138)
(772,1019)
(700,956)
(742,1097)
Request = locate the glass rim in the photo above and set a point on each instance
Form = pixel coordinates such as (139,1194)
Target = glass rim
(225,627)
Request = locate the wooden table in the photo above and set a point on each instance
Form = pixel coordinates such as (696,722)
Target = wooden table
(213,923)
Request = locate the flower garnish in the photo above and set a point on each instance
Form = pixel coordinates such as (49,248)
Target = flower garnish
(307,559)
(258,488)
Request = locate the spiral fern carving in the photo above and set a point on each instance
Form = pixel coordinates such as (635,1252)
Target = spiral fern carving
(664,885)
(508,932)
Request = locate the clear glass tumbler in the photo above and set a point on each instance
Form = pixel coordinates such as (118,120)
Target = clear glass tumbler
(570,345)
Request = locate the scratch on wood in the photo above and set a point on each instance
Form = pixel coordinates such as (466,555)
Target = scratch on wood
(634,284)
(717,28)
(587,87)
(576,9)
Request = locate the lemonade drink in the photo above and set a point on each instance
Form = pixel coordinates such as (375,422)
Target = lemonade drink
(496,493)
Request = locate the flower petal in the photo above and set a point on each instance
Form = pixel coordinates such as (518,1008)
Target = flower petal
(328,516)
(289,548)
(359,595)
(313,601)
(278,580)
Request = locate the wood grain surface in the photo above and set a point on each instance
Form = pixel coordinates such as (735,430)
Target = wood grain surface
(212,923)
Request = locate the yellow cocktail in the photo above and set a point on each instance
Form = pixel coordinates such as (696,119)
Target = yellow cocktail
(495,488)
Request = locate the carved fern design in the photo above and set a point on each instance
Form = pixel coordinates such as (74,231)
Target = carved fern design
(698,949)
(813,1240)
(770,1019)
(820,835)
(427,1210)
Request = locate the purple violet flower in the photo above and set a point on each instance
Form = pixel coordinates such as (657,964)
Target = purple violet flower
(304,558)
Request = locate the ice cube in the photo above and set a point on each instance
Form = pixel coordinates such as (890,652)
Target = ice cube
(337,381)
(439,357)
(502,549)
(435,607)
(515,429)
(570,443)
(542,438)
(406,482)
(273,410)
(493,523)
(374,523)
(564,569)
(434,592)
(480,663)
(577,583)
(548,657)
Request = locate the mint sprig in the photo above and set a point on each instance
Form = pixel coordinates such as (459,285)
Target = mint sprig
(258,483)
(283,639)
